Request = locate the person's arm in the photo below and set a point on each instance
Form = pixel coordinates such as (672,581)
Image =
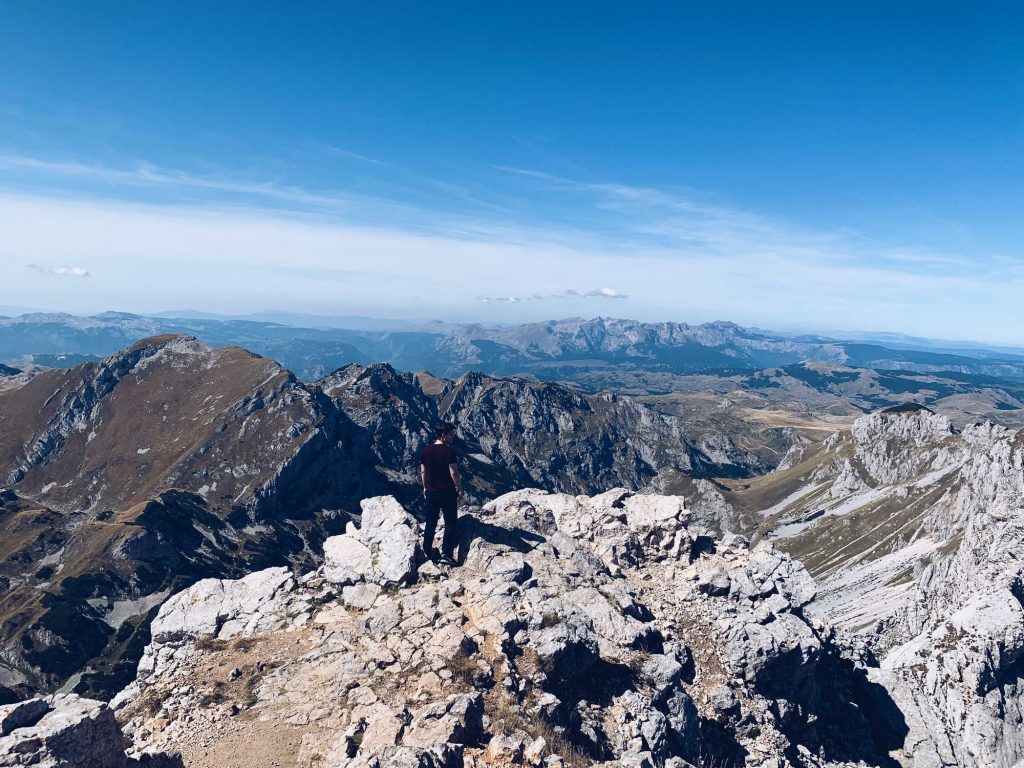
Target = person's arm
(423,477)
(454,470)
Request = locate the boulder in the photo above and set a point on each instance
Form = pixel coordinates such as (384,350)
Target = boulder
(258,602)
(383,730)
(391,533)
(347,560)
(456,720)
(662,672)
(360,596)
(73,733)
(647,512)
(723,700)
(438,756)
(567,649)
(609,622)
(382,551)
(21,714)
(715,582)
(507,749)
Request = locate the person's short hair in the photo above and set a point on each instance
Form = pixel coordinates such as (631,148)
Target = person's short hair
(443,429)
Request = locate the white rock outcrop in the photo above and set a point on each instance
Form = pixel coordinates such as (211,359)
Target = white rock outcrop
(598,630)
(917,531)
(381,551)
(67,731)
(224,608)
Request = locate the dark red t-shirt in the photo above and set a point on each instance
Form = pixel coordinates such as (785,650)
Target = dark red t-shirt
(435,460)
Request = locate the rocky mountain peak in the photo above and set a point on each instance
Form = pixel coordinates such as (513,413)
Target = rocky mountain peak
(103,434)
(170,461)
(894,443)
(577,630)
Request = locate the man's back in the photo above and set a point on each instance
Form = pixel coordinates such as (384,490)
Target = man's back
(436,459)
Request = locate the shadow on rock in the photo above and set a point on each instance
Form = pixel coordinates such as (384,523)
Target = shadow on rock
(832,709)
(472,528)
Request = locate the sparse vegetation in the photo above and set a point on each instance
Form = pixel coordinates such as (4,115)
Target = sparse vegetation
(151,701)
(508,716)
(464,669)
(249,693)
(635,662)
(209,643)
(243,643)
(550,620)
(216,695)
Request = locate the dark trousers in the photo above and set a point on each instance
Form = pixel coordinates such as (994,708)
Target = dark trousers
(447,503)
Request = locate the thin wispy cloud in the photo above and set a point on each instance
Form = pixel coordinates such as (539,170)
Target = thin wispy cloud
(60,271)
(350,155)
(571,293)
(226,188)
(681,223)
(671,251)
(144,175)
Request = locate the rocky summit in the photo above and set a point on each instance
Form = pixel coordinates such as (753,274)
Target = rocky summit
(576,631)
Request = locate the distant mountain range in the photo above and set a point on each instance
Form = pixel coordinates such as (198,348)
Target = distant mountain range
(567,350)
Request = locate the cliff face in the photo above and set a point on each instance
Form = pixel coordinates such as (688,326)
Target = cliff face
(515,432)
(551,436)
(914,530)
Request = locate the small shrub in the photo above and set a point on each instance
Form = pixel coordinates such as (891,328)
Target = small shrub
(528,663)
(635,662)
(507,717)
(210,643)
(151,701)
(249,696)
(215,696)
(463,668)
(550,620)
(243,644)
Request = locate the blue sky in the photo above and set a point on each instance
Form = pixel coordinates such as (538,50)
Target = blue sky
(790,165)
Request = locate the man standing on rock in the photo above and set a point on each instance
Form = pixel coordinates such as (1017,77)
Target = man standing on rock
(442,488)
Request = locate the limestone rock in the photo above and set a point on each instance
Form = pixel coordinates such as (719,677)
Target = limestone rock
(224,608)
(21,714)
(67,731)
(360,596)
(566,649)
(382,551)
(715,582)
(347,560)
(457,720)
(577,629)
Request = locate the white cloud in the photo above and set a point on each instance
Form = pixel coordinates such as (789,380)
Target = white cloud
(60,271)
(570,293)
